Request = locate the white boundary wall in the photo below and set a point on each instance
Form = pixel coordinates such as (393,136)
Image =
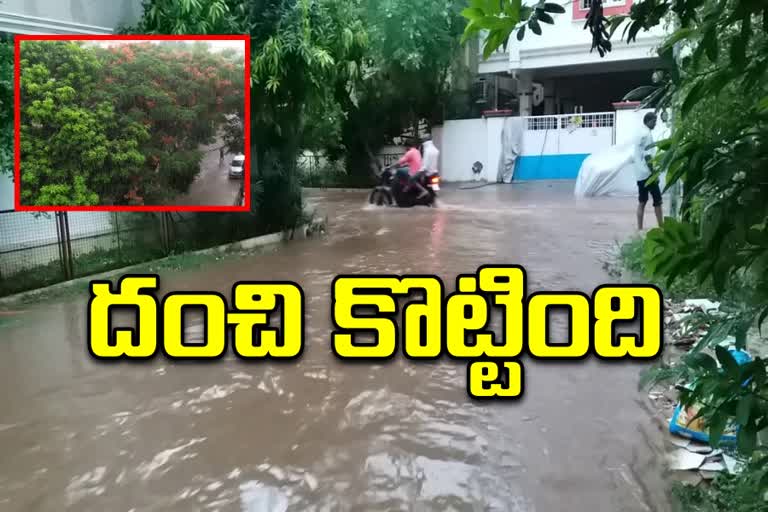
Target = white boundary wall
(552,146)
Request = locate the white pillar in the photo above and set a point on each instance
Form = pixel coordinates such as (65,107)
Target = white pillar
(524,94)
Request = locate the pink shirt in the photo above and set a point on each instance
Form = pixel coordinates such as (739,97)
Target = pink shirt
(412,159)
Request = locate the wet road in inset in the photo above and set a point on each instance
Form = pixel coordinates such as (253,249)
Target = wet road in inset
(319,434)
(212,187)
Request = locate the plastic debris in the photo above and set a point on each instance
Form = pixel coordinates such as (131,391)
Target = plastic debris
(712,466)
(684,422)
(704,305)
(683,460)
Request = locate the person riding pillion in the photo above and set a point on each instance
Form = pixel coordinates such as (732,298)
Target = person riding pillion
(430,158)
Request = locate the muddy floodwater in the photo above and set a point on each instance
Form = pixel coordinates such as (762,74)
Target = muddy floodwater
(322,435)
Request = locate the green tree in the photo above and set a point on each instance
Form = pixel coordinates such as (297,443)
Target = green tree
(121,125)
(303,51)
(6,104)
(181,93)
(73,143)
(407,73)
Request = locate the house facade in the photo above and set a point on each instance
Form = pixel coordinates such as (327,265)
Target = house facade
(555,73)
(569,98)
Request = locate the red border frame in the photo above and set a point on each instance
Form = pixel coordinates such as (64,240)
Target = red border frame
(137,37)
(580,14)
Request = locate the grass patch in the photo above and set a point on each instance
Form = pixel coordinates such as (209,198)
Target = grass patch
(170,264)
(685,286)
(727,492)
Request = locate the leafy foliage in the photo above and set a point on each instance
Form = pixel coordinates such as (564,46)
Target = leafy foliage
(6,104)
(120,125)
(500,18)
(305,55)
(408,72)
(728,492)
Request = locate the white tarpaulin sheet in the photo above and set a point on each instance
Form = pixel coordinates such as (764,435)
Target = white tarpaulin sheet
(511,145)
(610,172)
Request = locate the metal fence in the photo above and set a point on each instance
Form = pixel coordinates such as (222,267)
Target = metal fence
(40,249)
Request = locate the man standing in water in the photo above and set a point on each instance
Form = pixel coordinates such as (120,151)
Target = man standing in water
(644,152)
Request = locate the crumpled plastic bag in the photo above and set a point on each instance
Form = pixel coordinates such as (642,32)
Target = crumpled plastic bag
(611,172)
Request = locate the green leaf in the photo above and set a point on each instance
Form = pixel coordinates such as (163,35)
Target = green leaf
(694,95)
(702,360)
(633,30)
(493,22)
(512,10)
(681,34)
(544,17)
(710,44)
(614,23)
(472,13)
(762,317)
(759,373)
(521,33)
(746,440)
(535,27)
(554,8)
(739,52)
(639,93)
(492,6)
(717,424)
(470,31)
(744,409)
(492,43)
(727,361)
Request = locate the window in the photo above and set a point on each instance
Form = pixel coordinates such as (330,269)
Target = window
(584,5)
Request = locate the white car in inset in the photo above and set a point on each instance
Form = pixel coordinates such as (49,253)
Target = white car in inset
(236,168)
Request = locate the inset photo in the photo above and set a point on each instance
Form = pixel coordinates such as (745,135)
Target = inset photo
(132,123)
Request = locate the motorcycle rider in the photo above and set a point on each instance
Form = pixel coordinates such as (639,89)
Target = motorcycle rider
(412,159)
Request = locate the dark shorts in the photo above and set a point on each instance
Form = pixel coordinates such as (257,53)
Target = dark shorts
(653,189)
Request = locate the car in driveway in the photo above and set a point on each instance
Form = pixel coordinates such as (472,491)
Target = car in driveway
(236,167)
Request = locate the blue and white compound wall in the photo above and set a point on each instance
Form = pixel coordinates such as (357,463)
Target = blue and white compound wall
(553,147)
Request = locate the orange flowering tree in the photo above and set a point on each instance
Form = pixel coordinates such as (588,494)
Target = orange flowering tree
(181,93)
(166,102)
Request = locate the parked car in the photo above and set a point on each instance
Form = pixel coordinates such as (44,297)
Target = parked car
(236,167)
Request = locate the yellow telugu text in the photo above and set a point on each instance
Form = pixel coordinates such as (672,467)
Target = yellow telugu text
(375,316)
(253,336)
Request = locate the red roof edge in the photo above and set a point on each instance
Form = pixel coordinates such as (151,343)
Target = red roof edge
(498,113)
(624,105)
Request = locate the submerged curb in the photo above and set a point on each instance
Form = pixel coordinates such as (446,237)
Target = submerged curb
(260,242)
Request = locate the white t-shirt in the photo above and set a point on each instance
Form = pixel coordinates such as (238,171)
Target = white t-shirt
(643,148)
(431,157)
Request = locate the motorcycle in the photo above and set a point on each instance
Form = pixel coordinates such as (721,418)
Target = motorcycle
(395,188)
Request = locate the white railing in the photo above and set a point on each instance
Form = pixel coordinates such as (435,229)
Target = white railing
(568,133)
(570,122)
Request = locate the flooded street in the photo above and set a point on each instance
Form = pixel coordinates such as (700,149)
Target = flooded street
(323,435)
